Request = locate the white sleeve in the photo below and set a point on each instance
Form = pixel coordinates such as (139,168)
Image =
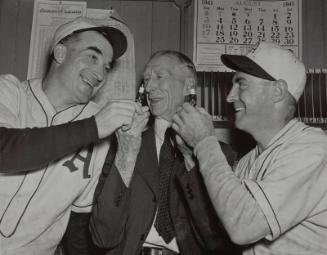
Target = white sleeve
(239,212)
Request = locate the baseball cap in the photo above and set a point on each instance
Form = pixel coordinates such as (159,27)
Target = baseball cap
(114,36)
(271,62)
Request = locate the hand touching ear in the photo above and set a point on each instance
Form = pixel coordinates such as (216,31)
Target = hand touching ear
(193,124)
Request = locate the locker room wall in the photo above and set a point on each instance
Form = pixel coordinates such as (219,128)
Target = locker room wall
(155,25)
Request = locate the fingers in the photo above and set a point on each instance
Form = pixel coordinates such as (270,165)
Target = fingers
(188,108)
(142,110)
(203,111)
(126,108)
(177,123)
(140,119)
(179,140)
(127,123)
(183,147)
(145,109)
(127,104)
(116,114)
(138,124)
(175,127)
(181,115)
(120,112)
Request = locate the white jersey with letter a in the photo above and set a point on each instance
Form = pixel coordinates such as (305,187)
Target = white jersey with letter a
(35,206)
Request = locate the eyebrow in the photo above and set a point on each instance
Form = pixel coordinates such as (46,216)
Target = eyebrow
(155,72)
(96,49)
(238,79)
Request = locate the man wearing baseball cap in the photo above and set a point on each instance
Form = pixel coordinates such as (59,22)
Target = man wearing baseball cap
(275,200)
(51,152)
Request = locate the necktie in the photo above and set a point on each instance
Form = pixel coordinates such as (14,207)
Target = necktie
(163,223)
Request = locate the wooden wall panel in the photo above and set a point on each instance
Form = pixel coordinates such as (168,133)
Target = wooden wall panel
(165,26)
(314,33)
(23,35)
(115,4)
(155,25)
(140,24)
(8,31)
(189,30)
(103,4)
(324,32)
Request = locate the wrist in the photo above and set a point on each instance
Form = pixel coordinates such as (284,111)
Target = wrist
(202,144)
(92,128)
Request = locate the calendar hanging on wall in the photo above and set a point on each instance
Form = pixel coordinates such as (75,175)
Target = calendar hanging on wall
(233,27)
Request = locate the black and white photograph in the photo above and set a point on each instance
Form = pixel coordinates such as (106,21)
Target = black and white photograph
(163,127)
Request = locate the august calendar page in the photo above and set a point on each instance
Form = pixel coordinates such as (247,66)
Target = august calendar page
(233,27)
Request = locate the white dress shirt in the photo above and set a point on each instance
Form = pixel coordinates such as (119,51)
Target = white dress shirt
(154,239)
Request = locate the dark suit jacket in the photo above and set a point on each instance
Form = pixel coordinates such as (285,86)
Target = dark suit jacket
(122,217)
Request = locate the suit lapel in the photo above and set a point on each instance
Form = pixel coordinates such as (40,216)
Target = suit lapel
(147,161)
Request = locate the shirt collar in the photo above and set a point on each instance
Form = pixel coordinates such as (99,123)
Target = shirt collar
(290,129)
(160,127)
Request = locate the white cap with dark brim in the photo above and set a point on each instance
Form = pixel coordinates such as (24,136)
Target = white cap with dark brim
(271,62)
(114,36)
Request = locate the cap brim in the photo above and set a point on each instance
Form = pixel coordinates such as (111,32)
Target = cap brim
(245,65)
(116,38)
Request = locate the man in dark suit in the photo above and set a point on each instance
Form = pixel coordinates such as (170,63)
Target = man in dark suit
(150,203)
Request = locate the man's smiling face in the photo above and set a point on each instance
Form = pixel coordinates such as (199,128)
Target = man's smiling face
(86,65)
(251,97)
(165,86)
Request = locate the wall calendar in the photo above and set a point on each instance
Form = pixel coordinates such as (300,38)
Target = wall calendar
(233,27)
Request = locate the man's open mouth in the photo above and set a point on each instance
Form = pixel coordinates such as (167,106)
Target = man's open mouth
(88,83)
(239,109)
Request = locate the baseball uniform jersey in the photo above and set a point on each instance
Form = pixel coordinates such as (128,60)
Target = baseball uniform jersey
(35,206)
